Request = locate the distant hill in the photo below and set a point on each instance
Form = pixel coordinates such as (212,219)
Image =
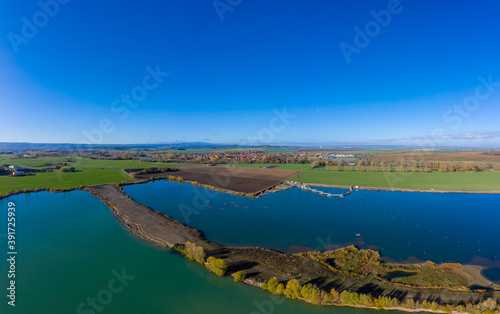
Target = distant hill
(40,146)
(190,145)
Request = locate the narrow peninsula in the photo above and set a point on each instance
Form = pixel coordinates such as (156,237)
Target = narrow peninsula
(344,277)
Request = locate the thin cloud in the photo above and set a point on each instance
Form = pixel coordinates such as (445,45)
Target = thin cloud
(461,136)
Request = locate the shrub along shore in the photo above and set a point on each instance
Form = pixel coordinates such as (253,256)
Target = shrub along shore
(344,277)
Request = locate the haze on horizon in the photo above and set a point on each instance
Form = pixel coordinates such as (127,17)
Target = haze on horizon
(251,72)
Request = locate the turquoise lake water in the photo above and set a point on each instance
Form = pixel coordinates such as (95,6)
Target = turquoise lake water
(71,249)
(401,225)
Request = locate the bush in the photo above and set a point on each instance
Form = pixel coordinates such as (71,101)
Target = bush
(387,302)
(306,291)
(434,275)
(195,253)
(279,289)
(349,298)
(310,293)
(154,170)
(366,300)
(239,276)
(350,260)
(271,285)
(292,290)
(409,303)
(334,296)
(217,265)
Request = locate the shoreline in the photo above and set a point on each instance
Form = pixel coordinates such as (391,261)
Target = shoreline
(371,188)
(158,228)
(139,229)
(284,185)
(277,188)
(142,181)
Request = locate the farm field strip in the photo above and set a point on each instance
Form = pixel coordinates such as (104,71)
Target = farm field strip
(61,180)
(473,181)
(83,163)
(93,171)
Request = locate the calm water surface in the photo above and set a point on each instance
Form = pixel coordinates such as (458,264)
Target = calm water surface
(68,245)
(401,225)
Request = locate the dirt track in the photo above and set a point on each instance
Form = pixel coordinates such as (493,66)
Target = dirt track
(148,224)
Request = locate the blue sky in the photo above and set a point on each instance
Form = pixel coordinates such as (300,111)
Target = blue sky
(417,74)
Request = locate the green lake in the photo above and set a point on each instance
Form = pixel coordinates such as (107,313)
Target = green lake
(72,251)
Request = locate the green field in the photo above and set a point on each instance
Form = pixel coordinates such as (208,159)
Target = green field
(36,163)
(89,171)
(92,171)
(280,149)
(474,181)
(83,163)
(61,180)
(94,164)
(379,151)
(392,151)
(449,151)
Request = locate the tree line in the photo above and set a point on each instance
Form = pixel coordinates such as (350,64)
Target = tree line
(310,293)
(407,165)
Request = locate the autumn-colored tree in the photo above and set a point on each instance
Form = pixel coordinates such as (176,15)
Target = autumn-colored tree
(385,302)
(217,265)
(271,284)
(349,298)
(366,300)
(195,253)
(310,293)
(239,276)
(279,289)
(292,289)
(334,296)
(409,303)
